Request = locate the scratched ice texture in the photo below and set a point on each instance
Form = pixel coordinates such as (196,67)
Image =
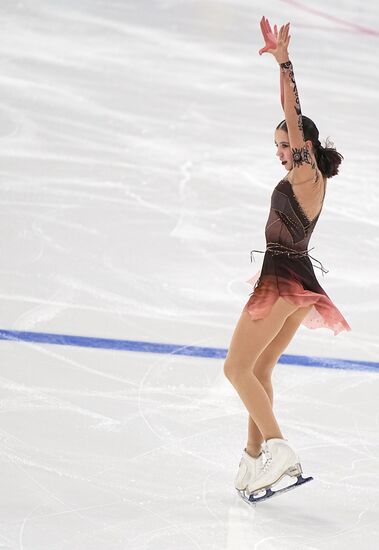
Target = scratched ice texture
(137,164)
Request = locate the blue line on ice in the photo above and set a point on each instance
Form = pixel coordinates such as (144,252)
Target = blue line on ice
(194,351)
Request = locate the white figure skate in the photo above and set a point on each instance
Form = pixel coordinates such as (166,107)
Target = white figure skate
(249,469)
(281,461)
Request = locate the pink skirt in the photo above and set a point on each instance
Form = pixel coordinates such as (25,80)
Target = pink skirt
(323,314)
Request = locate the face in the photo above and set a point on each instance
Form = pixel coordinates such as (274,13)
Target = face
(283,149)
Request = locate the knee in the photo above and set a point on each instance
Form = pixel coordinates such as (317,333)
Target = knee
(229,369)
(263,370)
(266,382)
(264,377)
(232,370)
(264,374)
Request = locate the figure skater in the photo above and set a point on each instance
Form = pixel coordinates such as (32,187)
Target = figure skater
(286,292)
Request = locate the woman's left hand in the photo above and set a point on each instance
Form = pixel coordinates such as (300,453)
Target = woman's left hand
(275,43)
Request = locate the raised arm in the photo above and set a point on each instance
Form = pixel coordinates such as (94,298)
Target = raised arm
(281,88)
(271,43)
(304,169)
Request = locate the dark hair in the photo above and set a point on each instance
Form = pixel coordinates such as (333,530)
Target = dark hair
(328,158)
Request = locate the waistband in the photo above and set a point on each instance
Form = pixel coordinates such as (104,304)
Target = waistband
(277,248)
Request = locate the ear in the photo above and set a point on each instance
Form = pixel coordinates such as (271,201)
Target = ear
(309,145)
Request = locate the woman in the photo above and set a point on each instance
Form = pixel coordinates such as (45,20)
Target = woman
(287,292)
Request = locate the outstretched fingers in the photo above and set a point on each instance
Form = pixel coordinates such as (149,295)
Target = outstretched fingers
(273,37)
(268,26)
(287,37)
(284,37)
(264,28)
(268,36)
(286,31)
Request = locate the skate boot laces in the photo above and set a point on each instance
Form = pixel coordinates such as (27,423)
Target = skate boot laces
(267,464)
(266,458)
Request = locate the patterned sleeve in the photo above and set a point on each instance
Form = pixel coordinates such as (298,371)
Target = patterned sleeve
(292,111)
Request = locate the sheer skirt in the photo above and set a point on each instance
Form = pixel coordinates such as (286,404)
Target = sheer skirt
(324,314)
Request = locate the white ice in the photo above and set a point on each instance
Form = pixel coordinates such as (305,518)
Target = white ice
(137,164)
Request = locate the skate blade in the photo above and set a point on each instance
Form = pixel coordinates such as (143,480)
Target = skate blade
(269,493)
(292,471)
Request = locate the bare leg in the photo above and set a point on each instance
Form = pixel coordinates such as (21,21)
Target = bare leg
(263,370)
(254,437)
(249,340)
(254,395)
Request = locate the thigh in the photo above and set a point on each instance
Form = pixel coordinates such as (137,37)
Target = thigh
(270,355)
(251,337)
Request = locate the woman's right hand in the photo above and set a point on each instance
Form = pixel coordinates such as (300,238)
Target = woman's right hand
(270,38)
(275,43)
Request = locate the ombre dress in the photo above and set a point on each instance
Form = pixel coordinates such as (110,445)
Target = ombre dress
(287,268)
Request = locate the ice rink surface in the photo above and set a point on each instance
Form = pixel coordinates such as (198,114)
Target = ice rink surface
(137,166)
